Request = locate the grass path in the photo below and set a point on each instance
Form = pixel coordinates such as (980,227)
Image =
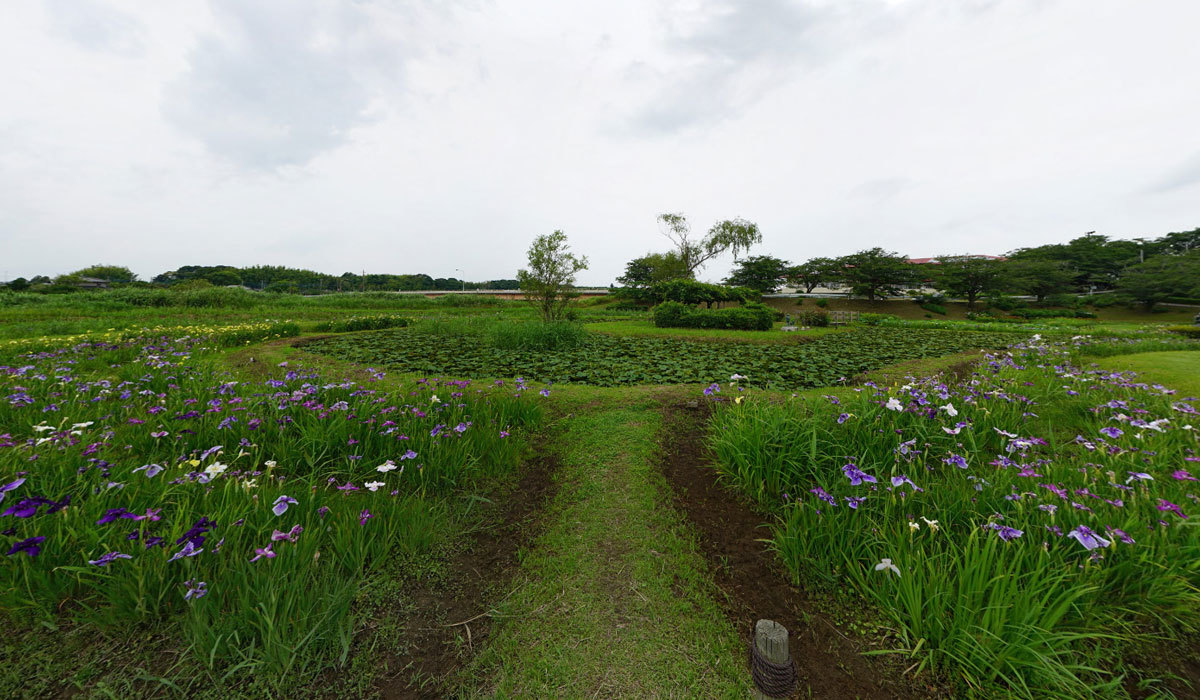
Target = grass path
(614,599)
(1179,369)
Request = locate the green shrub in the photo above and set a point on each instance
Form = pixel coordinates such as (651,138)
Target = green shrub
(534,336)
(822,303)
(1006,303)
(1053,313)
(870,319)
(813,319)
(751,317)
(362,323)
(935,308)
(1186,331)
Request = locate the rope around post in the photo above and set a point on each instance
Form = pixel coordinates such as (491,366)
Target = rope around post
(772,679)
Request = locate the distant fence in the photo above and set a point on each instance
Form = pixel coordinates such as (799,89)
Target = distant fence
(841,318)
(499,293)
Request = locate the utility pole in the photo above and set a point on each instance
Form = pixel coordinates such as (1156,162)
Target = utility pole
(363,286)
(464,282)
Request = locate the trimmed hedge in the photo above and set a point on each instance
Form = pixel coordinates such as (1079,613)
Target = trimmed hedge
(1186,331)
(812,319)
(751,317)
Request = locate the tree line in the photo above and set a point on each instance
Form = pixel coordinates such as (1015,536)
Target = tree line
(1147,271)
(269,278)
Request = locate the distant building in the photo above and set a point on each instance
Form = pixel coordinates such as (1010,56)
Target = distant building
(91,283)
(935,261)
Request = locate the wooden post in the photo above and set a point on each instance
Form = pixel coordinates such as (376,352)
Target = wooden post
(771,640)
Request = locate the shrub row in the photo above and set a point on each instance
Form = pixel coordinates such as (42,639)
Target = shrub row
(751,317)
(362,323)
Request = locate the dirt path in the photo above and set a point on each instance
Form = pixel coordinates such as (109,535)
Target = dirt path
(448,618)
(829,664)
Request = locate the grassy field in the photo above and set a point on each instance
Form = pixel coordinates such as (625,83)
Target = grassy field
(151,464)
(1178,370)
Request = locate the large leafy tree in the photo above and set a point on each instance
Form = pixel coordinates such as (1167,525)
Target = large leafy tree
(876,273)
(1039,278)
(109,273)
(814,273)
(736,235)
(968,278)
(550,280)
(1161,278)
(762,273)
(652,268)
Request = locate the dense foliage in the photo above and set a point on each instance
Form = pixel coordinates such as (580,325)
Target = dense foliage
(140,485)
(1011,525)
(603,360)
(751,317)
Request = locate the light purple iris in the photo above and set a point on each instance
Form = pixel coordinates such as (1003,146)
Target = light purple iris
(152,470)
(10,486)
(1112,432)
(843,418)
(957,460)
(281,504)
(189,550)
(109,558)
(1167,506)
(1090,540)
(1006,533)
(195,589)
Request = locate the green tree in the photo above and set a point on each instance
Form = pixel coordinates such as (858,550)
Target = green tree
(1161,278)
(1039,278)
(109,273)
(968,278)
(652,268)
(549,282)
(762,273)
(20,284)
(815,273)
(876,273)
(224,277)
(1180,242)
(735,235)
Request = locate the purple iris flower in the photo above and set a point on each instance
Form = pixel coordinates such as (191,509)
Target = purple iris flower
(31,546)
(27,507)
(856,475)
(843,418)
(1120,534)
(1165,506)
(1112,432)
(853,502)
(115,514)
(1090,540)
(1183,475)
(712,389)
(824,496)
(195,589)
(460,428)
(152,470)
(196,533)
(408,455)
(364,516)
(290,536)
(189,550)
(263,552)
(281,504)
(10,486)
(1006,533)
(957,460)
(109,558)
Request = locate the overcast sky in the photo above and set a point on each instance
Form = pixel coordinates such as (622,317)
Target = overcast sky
(406,136)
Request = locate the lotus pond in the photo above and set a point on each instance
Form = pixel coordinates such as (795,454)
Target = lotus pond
(602,360)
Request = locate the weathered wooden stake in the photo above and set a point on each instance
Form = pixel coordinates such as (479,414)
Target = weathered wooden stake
(771,639)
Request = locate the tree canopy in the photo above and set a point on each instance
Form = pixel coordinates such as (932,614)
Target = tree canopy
(736,235)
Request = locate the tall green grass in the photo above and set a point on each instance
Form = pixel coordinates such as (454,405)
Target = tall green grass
(943,469)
